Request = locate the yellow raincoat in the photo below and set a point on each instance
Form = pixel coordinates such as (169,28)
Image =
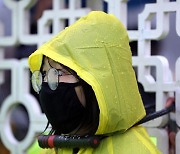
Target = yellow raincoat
(97,48)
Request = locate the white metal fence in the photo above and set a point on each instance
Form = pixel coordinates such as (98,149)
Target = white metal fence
(153,24)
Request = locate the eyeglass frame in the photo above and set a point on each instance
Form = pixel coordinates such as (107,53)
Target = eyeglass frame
(45,73)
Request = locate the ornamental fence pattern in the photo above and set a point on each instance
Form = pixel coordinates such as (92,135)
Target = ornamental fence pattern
(154,35)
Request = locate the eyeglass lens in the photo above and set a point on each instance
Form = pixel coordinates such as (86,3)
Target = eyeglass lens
(52,79)
(36,81)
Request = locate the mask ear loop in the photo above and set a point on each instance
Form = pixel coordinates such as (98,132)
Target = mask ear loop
(156,114)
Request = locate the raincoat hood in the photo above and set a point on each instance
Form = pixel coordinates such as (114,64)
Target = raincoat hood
(97,48)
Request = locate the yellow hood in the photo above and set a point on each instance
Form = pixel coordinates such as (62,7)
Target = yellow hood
(97,48)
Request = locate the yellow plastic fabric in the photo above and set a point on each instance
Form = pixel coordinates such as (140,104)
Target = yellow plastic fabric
(154,140)
(97,48)
(35,149)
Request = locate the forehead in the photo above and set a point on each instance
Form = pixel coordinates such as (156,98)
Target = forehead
(49,63)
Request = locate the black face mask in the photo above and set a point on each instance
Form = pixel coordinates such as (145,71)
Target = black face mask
(62,107)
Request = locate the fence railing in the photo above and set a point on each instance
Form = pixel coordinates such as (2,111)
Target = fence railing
(153,70)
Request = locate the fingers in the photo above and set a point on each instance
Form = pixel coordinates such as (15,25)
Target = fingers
(170,101)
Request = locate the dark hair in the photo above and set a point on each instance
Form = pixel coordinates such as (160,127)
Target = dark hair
(92,120)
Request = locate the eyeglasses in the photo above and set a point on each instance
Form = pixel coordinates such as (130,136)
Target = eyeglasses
(52,76)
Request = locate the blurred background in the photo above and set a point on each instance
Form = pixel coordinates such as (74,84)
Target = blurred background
(19,118)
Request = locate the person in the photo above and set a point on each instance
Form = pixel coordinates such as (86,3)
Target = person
(171,127)
(87,86)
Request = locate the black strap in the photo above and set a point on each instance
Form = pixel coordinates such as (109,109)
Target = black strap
(69,141)
(157,114)
(75,141)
